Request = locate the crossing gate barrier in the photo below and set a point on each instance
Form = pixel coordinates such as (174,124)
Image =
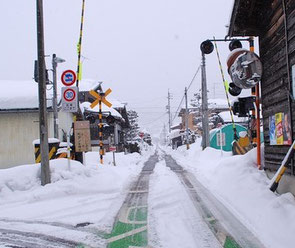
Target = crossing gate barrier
(53,145)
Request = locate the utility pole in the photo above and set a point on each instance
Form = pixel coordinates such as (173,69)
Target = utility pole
(205,122)
(45,171)
(169,111)
(186,119)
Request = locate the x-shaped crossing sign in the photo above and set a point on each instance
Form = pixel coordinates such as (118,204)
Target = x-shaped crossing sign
(100,97)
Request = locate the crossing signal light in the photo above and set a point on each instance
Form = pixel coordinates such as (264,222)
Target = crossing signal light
(234,90)
(234,44)
(207,47)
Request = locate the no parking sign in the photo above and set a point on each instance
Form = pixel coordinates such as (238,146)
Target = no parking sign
(68,77)
(69,99)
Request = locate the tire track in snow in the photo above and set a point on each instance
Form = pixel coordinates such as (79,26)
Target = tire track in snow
(230,232)
(173,221)
(14,238)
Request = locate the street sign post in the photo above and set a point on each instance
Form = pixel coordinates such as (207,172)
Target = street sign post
(69,99)
(68,77)
(100,98)
(112,148)
(82,136)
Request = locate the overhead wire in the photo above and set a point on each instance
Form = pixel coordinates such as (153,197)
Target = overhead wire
(193,79)
(156,119)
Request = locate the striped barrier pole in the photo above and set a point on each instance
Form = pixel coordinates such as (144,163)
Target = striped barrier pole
(100,133)
(278,176)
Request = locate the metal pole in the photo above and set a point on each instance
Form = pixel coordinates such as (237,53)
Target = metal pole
(79,45)
(255,91)
(45,171)
(169,112)
(186,119)
(205,122)
(54,99)
(100,133)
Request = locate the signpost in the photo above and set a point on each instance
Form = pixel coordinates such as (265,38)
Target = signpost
(82,136)
(69,99)
(68,77)
(100,98)
(112,149)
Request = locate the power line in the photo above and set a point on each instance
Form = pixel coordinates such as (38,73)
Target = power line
(196,73)
(144,124)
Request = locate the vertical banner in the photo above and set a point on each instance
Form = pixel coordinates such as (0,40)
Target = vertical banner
(280,129)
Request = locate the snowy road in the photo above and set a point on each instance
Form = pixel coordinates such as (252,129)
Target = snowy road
(168,207)
(164,207)
(229,231)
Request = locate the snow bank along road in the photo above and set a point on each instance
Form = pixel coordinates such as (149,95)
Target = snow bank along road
(166,207)
(180,212)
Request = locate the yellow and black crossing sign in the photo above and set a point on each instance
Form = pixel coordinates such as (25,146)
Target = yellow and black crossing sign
(100,98)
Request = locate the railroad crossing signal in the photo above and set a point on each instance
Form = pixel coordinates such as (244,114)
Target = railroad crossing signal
(100,97)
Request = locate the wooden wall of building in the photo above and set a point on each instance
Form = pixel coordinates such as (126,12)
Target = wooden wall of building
(275,85)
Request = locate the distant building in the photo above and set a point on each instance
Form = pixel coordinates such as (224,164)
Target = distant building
(215,106)
(113,133)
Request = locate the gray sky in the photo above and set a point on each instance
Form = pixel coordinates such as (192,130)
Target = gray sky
(138,48)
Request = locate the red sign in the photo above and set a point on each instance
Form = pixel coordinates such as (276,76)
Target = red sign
(69,95)
(113,148)
(68,77)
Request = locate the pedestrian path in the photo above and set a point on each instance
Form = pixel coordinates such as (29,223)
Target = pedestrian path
(130,229)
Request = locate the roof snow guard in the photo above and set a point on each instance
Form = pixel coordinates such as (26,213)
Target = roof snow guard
(246,17)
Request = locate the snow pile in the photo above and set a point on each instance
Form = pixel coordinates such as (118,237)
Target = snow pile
(91,193)
(239,185)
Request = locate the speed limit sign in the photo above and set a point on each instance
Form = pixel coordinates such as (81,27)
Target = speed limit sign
(69,99)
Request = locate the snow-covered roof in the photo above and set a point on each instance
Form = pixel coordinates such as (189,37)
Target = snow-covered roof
(88,84)
(217,103)
(86,106)
(212,104)
(174,134)
(225,115)
(21,94)
(116,103)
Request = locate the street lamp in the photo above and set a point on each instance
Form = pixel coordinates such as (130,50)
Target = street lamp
(55,61)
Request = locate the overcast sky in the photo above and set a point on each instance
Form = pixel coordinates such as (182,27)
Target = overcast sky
(138,48)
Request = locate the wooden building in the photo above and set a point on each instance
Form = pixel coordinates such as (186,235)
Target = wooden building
(273,22)
(113,133)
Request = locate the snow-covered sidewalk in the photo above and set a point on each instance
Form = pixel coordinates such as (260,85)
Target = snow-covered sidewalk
(84,194)
(239,185)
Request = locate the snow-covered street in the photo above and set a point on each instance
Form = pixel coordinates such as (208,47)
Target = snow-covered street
(148,200)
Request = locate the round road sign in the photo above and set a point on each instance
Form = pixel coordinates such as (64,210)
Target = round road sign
(68,77)
(69,95)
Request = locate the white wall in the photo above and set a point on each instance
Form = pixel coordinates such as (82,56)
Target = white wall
(17,132)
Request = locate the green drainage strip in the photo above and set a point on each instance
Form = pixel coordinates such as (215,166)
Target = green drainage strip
(125,235)
(230,243)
